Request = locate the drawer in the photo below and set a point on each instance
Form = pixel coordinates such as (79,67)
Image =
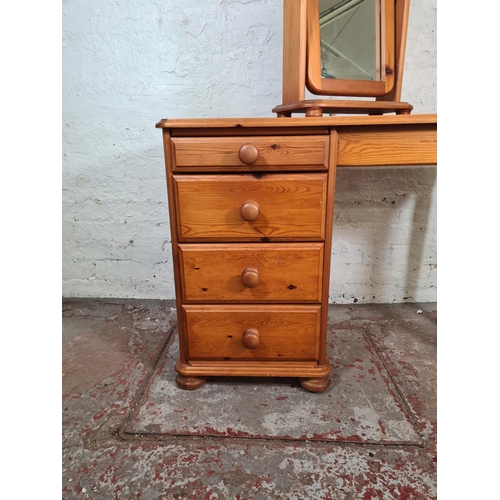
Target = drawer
(191,154)
(284,272)
(242,207)
(253,332)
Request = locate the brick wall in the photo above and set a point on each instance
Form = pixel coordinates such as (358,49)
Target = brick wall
(128,64)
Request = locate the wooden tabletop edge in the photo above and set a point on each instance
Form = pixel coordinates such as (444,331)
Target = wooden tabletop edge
(330,121)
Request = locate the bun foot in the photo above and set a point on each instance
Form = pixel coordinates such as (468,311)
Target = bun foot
(190,383)
(315,384)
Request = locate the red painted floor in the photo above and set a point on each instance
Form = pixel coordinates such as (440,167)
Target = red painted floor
(129,432)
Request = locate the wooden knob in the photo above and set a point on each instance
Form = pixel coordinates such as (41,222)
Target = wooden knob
(251,338)
(249,211)
(248,154)
(250,277)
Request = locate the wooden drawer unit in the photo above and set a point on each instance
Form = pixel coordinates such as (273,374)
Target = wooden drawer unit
(267,332)
(193,154)
(251,223)
(275,207)
(258,272)
(251,217)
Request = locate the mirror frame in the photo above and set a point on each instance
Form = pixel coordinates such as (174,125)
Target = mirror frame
(296,38)
(316,84)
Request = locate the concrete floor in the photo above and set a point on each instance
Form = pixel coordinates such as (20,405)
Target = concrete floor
(128,432)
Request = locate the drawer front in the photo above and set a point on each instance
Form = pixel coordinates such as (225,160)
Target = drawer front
(286,272)
(242,207)
(253,332)
(249,153)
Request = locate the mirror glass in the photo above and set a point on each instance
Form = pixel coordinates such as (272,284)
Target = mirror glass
(350,39)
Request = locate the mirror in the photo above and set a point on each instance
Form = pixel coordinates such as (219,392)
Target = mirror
(350,47)
(350,39)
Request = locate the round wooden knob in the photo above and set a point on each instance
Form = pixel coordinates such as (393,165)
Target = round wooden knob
(248,154)
(249,211)
(250,277)
(251,338)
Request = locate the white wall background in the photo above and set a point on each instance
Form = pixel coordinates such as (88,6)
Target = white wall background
(127,64)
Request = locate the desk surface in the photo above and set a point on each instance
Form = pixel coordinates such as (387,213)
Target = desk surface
(324,121)
(362,140)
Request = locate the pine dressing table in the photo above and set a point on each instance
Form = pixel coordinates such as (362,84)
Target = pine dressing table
(251,200)
(251,214)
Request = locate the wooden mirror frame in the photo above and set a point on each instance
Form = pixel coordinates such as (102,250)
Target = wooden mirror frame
(343,87)
(302,66)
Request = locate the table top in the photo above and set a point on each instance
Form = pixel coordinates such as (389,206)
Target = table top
(324,121)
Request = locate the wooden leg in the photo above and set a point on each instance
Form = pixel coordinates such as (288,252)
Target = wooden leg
(190,383)
(315,384)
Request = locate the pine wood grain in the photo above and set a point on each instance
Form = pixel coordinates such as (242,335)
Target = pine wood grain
(223,152)
(290,207)
(294,49)
(402,12)
(288,272)
(316,384)
(249,368)
(190,383)
(168,154)
(255,131)
(345,106)
(344,87)
(286,275)
(285,332)
(328,243)
(272,123)
(391,146)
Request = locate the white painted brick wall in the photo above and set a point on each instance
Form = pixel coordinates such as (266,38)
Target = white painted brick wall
(127,64)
